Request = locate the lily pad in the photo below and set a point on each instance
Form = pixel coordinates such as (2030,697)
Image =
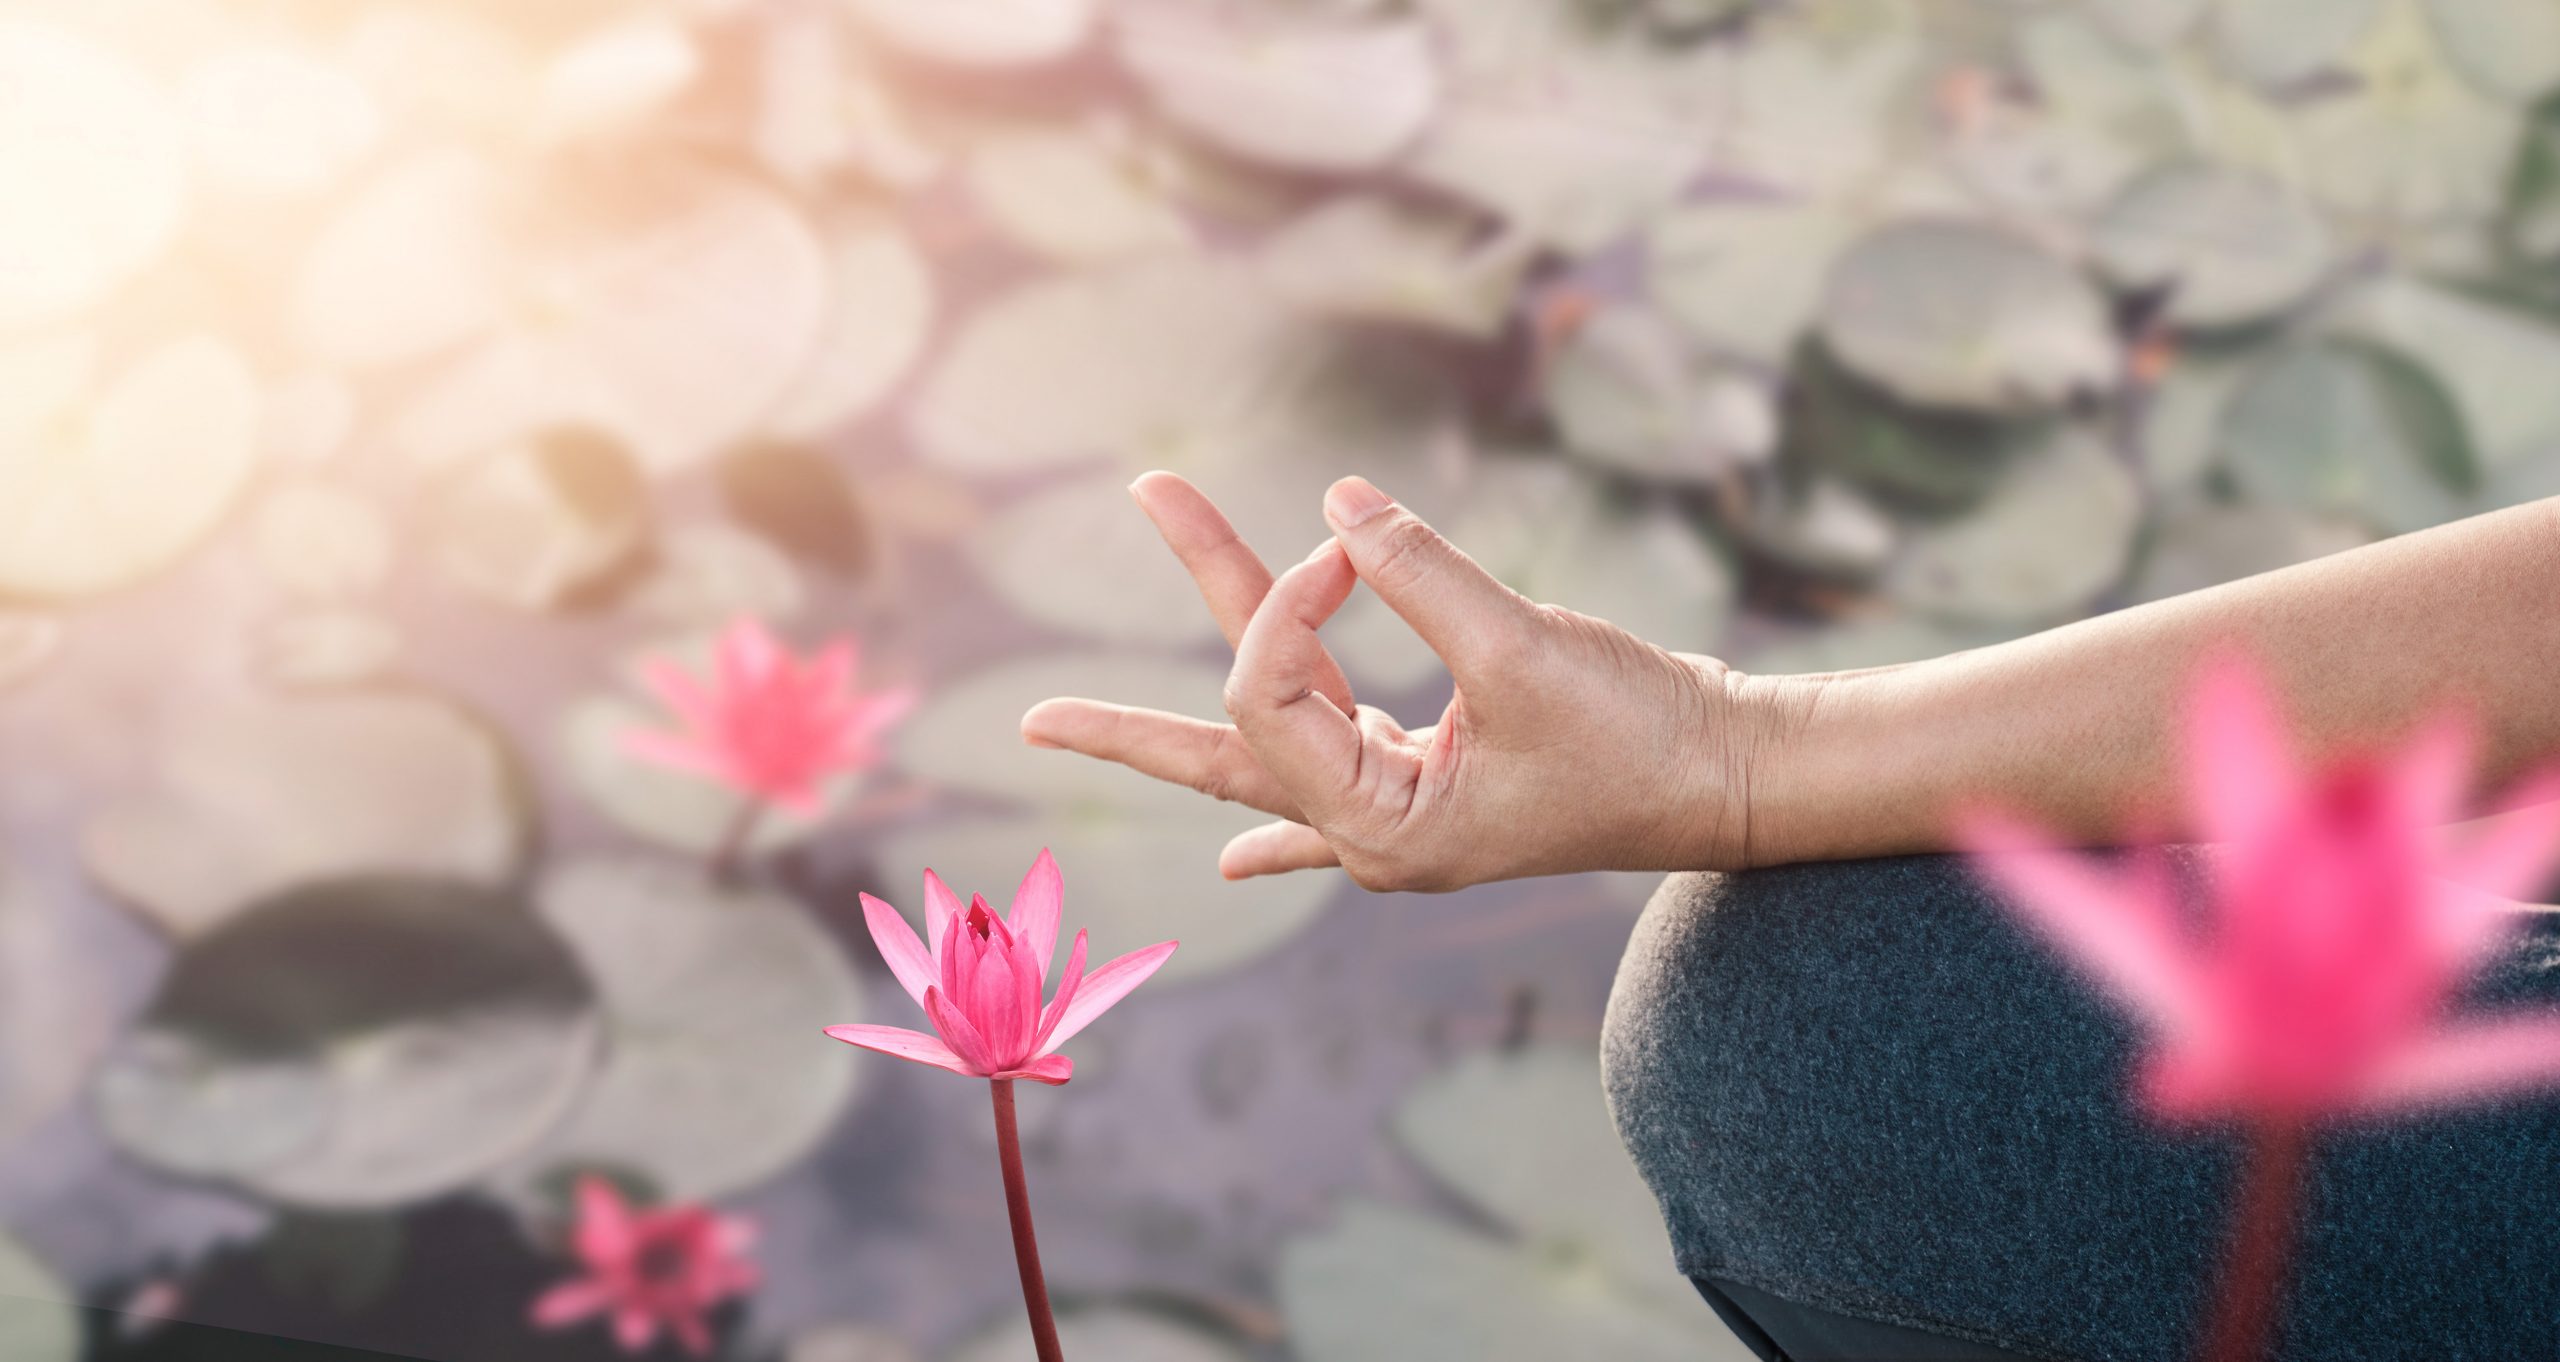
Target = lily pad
(1140,856)
(613,79)
(2058,530)
(1626,391)
(803,502)
(2495,362)
(1932,459)
(999,33)
(1951,314)
(2509,48)
(1745,277)
(704,576)
(40,1318)
(1825,526)
(1856,645)
(319,543)
(2230,247)
(1117,1333)
(1581,1269)
(1374,258)
(1076,196)
(1320,94)
(2405,140)
(407,266)
(323,648)
(100,163)
(714,1077)
(2277,43)
(880,311)
(2206,545)
(848,1343)
(356,1044)
(2149,23)
(253,797)
(2351,428)
(98,503)
(1811,111)
(543,523)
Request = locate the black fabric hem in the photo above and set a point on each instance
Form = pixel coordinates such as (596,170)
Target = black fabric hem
(1822,1296)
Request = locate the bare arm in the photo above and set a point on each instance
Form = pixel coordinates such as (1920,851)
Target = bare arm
(2075,725)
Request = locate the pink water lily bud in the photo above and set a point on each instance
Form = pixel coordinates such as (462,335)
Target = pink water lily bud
(980,983)
(767,723)
(2340,924)
(647,1270)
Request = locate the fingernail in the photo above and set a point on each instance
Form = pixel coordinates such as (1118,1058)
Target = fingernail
(1353,502)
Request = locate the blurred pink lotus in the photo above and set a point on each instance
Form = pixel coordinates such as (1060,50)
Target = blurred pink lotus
(766,723)
(981,982)
(649,1269)
(2337,934)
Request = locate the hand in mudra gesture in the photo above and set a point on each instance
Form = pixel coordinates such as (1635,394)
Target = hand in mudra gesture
(1571,744)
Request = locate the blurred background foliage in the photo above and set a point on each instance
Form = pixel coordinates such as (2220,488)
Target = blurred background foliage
(381,379)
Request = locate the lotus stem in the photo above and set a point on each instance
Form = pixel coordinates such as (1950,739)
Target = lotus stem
(1026,1247)
(728,857)
(2244,1312)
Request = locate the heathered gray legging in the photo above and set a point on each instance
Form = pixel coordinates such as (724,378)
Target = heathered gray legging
(1859,1089)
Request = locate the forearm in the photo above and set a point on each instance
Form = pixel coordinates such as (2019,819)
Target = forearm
(2076,727)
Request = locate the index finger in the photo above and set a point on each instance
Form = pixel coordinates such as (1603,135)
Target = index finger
(1231,576)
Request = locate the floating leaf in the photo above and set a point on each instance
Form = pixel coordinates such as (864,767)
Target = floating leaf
(1825,526)
(847,1343)
(356,1044)
(1116,1333)
(1583,1271)
(2405,140)
(1745,277)
(2182,425)
(801,500)
(1326,95)
(2229,247)
(704,576)
(1076,196)
(1933,459)
(2495,362)
(542,524)
(714,1076)
(325,648)
(880,310)
(1810,110)
(2351,428)
(2209,544)
(40,1318)
(249,799)
(2149,23)
(1956,315)
(1374,258)
(98,171)
(2532,221)
(270,118)
(320,543)
(1625,391)
(408,266)
(990,33)
(2058,530)
(2508,48)
(100,503)
(1141,857)
(2278,43)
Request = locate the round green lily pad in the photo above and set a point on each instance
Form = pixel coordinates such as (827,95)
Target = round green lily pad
(100,161)
(1117,1333)
(714,1076)
(1745,277)
(2276,43)
(250,798)
(163,452)
(1370,257)
(2351,428)
(1951,314)
(2149,23)
(40,1318)
(2230,247)
(2403,139)
(2058,530)
(1626,391)
(702,576)
(356,1044)
(408,265)
(880,311)
(539,524)
(1140,856)
(1309,93)
(2211,543)
(2494,361)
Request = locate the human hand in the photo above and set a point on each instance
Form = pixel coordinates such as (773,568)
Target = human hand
(1571,744)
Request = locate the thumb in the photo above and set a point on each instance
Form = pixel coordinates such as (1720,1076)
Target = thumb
(1458,608)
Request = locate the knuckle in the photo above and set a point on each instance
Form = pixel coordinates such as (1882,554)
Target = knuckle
(1405,552)
(1232,696)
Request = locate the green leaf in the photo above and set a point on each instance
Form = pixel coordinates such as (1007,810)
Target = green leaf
(1930,459)
(2531,226)
(2508,48)
(1306,93)
(1745,277)
(802,501)
(1626,392)
(2353,428)
(2058,531)
(2277,43)
(1951,314)
(40,1319)
(2230,247)
(358,1044)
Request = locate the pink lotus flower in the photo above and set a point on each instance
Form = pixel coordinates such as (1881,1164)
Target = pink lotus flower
(2337,934)
(650,1270)
(766,723)
(980,984)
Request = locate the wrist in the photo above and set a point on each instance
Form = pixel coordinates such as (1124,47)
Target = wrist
(1773,720)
